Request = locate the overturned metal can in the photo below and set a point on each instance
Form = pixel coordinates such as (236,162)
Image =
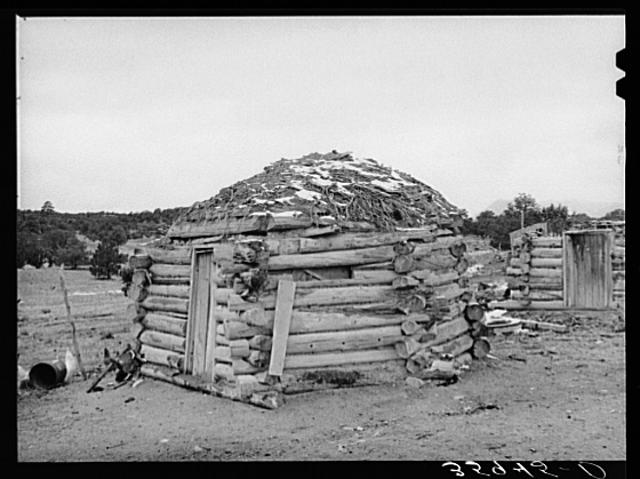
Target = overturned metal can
(48,375)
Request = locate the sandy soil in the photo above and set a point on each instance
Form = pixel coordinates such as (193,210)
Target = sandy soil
(549,396)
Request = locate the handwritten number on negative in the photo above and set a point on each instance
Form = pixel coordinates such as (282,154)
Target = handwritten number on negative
(499,471)
(542,466)
(521,468)
(602,474)
(477,471)
(458,469)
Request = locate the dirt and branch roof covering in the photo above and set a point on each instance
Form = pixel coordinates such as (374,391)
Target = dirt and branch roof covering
(332,187)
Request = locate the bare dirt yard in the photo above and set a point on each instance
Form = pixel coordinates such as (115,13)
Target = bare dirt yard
(547,396)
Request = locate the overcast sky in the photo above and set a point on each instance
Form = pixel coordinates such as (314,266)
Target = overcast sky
(132,114)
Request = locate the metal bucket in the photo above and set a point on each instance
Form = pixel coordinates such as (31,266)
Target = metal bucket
(48,375)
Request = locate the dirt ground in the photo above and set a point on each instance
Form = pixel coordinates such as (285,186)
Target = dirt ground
(546,396)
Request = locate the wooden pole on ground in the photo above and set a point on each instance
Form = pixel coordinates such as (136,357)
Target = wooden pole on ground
(74,339)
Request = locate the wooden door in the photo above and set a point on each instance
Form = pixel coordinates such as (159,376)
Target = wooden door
(587,277)
(201,327)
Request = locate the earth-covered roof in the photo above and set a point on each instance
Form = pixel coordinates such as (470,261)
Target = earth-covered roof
(331,188)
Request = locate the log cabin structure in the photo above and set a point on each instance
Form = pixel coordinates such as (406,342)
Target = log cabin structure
(318,272)
(582,269)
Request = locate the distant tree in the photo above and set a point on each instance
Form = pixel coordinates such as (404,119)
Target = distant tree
(523,207)
(72,254)
(116,235)
(29,249)
(47,207)
(614,215)
(556,217)
(105,261)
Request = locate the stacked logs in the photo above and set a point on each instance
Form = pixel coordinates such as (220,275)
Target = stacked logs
(535,269)
(618,267)
(162,296)
(362,301)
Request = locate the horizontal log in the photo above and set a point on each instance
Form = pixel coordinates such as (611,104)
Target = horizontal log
(335,283)
(436,262)
(206,240)
(382,266)
(165,324)
(618,285)
(240,330)
(344,340)
(163,357)
(164,303)
(178,280)
(446,330)
(557,286)
(546,253)
(169,270)
(374,276)
(303,322)
(222,354)
(547,242)
(294,361)
(170,375)
(546,262)
(346,241)
(544,295)
(327,296)
(514,271)
(232,225)
(170,256)
(160,340)
(177,291)
(514,304)
(433,278)
(221,314)
(440,245)
(447,292)
(239,348)
(332,258)
(545,272)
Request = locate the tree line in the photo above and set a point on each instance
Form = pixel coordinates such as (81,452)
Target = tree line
(47,236)
(525,211)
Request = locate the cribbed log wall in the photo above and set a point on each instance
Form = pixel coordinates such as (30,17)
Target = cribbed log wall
(535,271)
(400,305)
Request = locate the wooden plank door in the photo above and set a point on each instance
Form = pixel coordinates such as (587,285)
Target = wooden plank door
(201,327)
(587,276)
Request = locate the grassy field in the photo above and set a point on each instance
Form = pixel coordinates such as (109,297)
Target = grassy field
(98,308)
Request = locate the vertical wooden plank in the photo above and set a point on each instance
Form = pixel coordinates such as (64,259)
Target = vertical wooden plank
(210,352)
(281,323)
(202,313)
(568,270)
(188,356)
(609,245)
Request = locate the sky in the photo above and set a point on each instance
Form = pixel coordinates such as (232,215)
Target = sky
(132,114)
